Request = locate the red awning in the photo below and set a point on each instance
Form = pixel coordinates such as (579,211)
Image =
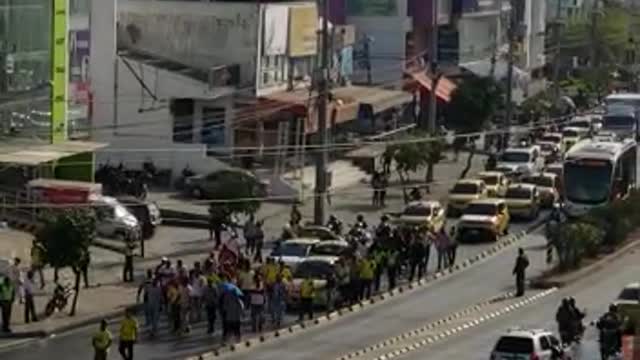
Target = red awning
(445,86)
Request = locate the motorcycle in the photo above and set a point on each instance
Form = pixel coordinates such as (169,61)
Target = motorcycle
(59,299)
(609,345)
(335,226)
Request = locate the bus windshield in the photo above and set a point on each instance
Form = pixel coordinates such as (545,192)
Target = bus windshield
(587,182)
(618,121)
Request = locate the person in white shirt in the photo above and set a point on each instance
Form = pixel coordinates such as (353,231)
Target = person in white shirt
(28,287)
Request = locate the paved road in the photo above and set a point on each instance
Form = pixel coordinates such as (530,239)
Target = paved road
(594,293)
(332,339)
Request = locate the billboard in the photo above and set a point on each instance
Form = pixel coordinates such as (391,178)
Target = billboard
(372,8)
(303,27)
(59,71)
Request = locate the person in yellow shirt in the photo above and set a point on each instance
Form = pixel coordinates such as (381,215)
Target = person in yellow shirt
(128,335)
(284,272)
(101,342)
(270,272)
(307,293)
(366,275)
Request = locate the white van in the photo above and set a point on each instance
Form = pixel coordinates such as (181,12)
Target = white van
(524,161)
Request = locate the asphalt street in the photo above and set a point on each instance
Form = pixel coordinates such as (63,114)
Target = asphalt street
(593,293)
(369,325)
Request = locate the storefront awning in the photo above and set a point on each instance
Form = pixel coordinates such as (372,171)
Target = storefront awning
(444,88)
(36,155)
(500,70)
(345,103)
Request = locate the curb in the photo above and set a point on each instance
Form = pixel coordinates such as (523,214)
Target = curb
(377,299)
(544,282)
(468,325)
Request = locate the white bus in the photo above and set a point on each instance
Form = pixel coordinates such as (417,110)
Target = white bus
(596,172)
(629,99)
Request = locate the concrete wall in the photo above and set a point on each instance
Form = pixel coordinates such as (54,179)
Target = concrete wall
(536,24)
(388,49)
(478,37)
(199,34)
(145,127)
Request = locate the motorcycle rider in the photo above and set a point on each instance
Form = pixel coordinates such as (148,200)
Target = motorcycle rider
(334,224)
(577,316)
(360,223)
(383,231)
(610,325)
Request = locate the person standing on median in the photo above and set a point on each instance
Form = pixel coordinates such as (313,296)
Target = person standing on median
(522,263)
(307,293)
(127,270)
(28,289)
(6,303)
(101,342)
(211,297)
(128,335)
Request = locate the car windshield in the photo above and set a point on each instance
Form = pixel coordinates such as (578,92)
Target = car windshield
(292,249)
(615,121)
(465,189)
(543,181)
(515,157)
(547,147)
(417,210)
(514,345)
(490,179)
(551,138)
(328,250)
(570,133)
(121,211)
(316,233)
(313,269)
(630,294)
(518,193)
(581,124)
(587,182)
(481,209)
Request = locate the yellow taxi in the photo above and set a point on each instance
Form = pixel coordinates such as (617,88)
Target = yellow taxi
(464,192)
(430,214)
(523,201)
(548,187)
(496,182)
(484,219)
(571,135)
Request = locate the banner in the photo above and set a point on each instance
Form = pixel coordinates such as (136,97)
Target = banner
(276,19)
(59,71)
(372,8)
(303,27)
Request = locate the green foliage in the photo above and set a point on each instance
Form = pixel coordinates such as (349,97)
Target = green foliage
(238,191)
(66,236)
(473,102)
(414,154)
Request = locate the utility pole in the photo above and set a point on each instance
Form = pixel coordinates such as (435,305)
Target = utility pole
(595,62)
(323,97)
(511,34)
(433,69)
(556,53)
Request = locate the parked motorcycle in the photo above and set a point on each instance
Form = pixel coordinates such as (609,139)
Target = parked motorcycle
(59,299)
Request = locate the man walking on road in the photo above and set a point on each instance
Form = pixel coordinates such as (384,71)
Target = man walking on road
(127,270)
(522,262)
(128,335)
(28,289)
(101,342)
(307,293)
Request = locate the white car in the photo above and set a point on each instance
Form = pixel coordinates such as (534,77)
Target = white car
(293,252)
(521,344)
(525,161)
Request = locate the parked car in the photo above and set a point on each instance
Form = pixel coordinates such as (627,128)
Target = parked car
(548,186)
(114,220)
(202,186)
(147,213)
(525,160)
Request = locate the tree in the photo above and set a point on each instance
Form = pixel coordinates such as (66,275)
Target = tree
(66,237)
(472,104)
(409,156)
(234,192)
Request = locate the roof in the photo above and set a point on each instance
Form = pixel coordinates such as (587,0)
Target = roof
(623,96)
(556,165)
(36,155)
(322,258)
(426,204)
(522,186)
(525,149)
(490,173)
(595,149)
(302,241)
(489,201)
(633,285)
(519,332)
(333,242)
(543,174)
(470,181)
